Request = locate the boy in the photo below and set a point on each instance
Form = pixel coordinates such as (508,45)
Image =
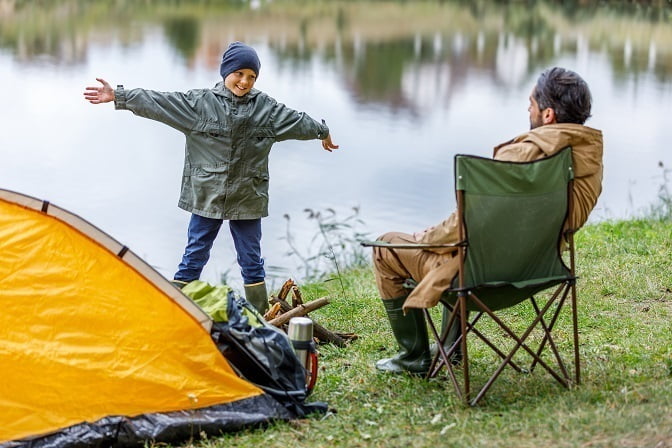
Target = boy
(229,132)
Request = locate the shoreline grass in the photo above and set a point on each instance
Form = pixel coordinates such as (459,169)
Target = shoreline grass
(625,399)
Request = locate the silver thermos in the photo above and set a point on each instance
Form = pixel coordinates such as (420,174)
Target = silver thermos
(300,332)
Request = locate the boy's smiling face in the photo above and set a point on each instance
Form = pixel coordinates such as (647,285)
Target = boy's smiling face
(241,81)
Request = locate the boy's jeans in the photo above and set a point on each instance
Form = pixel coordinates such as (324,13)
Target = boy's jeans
(202,232)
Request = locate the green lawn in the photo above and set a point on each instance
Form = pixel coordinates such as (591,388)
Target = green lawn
(624,400)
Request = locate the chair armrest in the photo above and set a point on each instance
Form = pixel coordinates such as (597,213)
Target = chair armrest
(408,245)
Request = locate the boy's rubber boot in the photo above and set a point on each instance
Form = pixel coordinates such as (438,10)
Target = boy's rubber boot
(179,284)
(410,331)
(256,294)
(453,334)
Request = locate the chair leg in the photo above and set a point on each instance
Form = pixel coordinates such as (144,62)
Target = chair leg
(575,324)
(548,336)
(450,332)
(520,343)
(443,353)
(568,287)
(445,350)
(455,319)
(462,300)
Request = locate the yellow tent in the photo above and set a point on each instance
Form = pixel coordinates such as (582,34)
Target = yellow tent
(91,334)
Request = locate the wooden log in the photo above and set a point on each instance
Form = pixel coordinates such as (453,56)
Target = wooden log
(284,305)
(273,312)
(296,296)
(300,310)
(324,335)
(286,287)
(346,336)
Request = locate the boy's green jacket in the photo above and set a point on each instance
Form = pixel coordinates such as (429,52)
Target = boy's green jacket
(228,139)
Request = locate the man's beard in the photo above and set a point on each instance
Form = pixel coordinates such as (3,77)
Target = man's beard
(535,123)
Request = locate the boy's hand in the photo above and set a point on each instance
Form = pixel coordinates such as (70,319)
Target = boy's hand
(328,145)
(97,95)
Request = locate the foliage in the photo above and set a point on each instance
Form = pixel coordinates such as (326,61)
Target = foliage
(334,246)
(663,208)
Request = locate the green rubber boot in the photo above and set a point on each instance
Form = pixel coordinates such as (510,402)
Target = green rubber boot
(410,331)
(257,296)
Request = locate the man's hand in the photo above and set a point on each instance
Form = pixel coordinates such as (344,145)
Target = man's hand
(328,145)
(98,95)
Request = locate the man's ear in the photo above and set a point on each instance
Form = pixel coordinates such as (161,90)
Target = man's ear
(548,116)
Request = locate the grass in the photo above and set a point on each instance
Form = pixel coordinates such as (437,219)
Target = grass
(624,400)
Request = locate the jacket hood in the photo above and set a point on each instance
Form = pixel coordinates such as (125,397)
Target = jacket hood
(586,143)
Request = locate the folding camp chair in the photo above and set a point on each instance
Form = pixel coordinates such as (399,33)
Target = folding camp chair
(512,224)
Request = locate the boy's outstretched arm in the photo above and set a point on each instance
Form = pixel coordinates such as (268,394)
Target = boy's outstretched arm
(98,95)
(328,145)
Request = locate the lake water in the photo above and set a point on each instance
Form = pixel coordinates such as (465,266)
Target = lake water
(404,86)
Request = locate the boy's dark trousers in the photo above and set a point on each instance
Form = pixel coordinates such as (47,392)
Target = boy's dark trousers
(202,232)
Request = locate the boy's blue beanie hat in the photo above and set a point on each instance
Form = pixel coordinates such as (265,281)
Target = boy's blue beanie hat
(238,56)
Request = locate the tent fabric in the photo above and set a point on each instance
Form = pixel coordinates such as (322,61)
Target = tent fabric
(89,331)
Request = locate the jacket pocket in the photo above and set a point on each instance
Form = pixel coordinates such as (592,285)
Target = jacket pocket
(206,170)
(206,182)
(260,134)
(212,130)
(260,184)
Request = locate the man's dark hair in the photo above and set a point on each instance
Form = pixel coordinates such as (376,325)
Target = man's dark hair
(566,93)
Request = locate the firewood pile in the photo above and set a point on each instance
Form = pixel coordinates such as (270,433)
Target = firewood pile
(282,311)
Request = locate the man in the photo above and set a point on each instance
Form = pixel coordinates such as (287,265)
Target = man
(560,104)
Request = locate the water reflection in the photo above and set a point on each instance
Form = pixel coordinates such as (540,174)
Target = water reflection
(404,86)
(362,38)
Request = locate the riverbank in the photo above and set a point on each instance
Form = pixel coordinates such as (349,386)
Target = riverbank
(625,300)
